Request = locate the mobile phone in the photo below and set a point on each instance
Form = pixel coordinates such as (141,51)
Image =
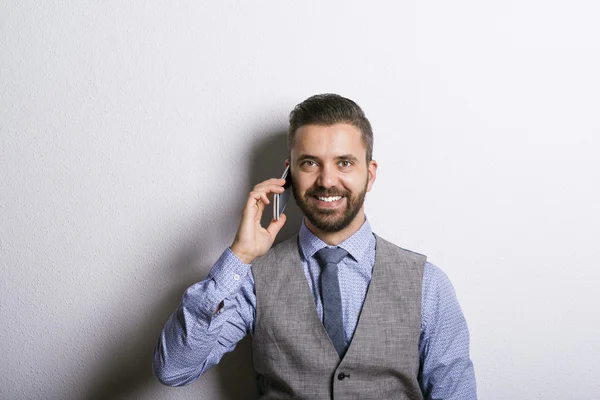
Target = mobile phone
(280,200)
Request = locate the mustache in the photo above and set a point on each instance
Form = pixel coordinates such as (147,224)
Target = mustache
(323,192)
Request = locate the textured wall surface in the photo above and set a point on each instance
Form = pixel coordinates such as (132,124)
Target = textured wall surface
(132,131)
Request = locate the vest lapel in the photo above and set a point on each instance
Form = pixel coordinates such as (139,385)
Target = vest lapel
(370,304)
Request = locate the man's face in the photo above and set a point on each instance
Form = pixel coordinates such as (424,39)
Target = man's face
(331,176)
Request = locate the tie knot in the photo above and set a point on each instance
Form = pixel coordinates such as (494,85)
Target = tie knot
(330,255)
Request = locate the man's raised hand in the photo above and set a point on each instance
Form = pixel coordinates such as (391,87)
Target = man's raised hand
(251,239)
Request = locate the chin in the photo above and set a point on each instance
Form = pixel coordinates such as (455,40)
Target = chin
(330,222)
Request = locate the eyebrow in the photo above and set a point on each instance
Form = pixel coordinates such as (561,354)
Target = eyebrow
(348,157)
(306,157)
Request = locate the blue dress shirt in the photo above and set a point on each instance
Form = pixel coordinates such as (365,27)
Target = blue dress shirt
(194,338)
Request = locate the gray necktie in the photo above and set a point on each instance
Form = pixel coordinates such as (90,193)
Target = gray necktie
(330,293)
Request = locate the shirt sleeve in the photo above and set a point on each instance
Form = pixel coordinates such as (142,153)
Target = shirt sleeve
(195,338)
(446,369)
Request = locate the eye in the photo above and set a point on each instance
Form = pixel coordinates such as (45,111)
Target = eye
(308,163)
(345,163)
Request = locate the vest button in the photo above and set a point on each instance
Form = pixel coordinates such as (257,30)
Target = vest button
(342,376)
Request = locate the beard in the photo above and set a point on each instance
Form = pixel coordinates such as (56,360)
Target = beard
(328,220)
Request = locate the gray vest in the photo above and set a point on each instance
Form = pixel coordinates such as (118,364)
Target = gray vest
(292,354)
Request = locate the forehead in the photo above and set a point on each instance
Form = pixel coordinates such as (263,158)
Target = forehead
(328,141)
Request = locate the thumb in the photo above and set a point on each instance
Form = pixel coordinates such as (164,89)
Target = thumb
(275,226)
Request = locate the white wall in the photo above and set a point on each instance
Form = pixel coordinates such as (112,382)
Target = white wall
(131,132)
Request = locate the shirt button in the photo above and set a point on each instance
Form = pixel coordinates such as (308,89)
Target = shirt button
(236,277)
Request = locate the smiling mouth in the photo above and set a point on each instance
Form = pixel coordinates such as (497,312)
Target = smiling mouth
(328,199)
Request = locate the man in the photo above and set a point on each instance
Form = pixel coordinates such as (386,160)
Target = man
(335,311)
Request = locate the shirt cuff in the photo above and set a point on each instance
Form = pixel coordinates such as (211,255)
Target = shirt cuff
(228,273)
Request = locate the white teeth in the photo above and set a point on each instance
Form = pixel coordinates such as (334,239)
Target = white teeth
(329,199)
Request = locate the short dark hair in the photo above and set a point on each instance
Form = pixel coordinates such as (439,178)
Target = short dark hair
(329,109)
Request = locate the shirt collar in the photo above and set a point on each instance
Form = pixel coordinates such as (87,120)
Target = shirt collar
(356,245)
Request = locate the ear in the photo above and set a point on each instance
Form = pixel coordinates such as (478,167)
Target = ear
(372,174)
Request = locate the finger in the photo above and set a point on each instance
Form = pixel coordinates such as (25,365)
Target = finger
(272,181)
(261,207)
(253,198)
(263,194)
(268,191)
(275,226)
(269,186)
(255,205)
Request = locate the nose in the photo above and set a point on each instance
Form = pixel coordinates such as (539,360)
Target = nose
(327,176)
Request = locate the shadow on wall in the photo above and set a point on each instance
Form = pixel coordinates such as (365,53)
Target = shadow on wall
(267,160)
(126,371)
